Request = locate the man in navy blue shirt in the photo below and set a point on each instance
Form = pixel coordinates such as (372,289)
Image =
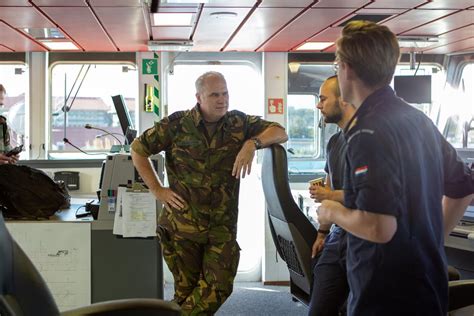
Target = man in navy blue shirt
(330,288)
(405,186)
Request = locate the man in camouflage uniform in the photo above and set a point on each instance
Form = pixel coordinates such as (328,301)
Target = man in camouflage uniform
(207,150)
(5,134)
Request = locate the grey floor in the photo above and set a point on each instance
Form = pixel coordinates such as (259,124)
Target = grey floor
(252,298)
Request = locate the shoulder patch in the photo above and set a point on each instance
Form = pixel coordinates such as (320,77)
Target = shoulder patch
(176,115)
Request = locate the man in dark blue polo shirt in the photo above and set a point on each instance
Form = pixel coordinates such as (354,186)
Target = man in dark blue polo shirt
(330,288)
(405,187)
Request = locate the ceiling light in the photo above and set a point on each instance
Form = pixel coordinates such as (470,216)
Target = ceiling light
(417,41)
(60,45)
(315,45)
(294,67)
(170,46)
(172,19)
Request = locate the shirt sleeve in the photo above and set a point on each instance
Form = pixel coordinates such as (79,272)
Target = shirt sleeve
(256,125)
(154,139)
(373,173)
(457,175)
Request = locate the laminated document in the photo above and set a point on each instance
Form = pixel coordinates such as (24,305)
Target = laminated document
(135,214)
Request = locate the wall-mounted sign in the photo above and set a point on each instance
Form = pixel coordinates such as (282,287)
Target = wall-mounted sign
(275,106)
(150,66)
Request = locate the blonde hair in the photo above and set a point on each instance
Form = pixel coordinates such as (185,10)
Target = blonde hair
(371,50)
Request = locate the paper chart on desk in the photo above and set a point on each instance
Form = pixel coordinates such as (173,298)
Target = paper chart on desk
(138,214)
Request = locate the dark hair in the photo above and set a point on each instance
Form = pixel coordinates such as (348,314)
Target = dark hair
(2,89)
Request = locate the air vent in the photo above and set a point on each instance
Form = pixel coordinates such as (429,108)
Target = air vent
(366,17)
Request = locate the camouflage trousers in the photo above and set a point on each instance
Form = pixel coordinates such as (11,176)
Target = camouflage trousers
(203,267)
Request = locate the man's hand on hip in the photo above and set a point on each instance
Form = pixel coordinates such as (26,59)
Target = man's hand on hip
(170,199)
(244,159)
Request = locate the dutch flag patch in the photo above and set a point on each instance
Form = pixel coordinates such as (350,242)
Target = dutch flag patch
(361,170)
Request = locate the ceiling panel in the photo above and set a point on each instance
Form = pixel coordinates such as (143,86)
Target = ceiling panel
(115,3)
(16,41)
(453,47)
(60,3)
(4,48)
(213,31)
(414,18)
(16,3)
(380,11)
(444,25)
(20,17)
(310,23)
(396,4)
(454,36)
(80,23)
(285,3)
(448,4)
(341,3)
(126,26)
(328,35)
(262,24)
(171,32)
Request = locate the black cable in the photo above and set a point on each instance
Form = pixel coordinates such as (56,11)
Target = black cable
(419,63)
(82,151)
(88,126)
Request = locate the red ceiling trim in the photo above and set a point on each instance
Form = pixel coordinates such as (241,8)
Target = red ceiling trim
(334,23)
(24,34)
(255,6)
(444,16)
(401,13)
(198,17)
(101,25)
(5,46)
(446,44)
(286,24)
(54,23)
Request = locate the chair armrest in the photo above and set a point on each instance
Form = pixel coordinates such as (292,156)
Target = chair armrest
(139,307)
(461,294)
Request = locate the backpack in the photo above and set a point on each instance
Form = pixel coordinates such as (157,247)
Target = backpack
(30,193)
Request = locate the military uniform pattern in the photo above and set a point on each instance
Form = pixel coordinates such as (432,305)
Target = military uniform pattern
(199,242)
(4,135)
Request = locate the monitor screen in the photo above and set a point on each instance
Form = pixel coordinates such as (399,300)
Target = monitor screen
(124,118)
(413,89)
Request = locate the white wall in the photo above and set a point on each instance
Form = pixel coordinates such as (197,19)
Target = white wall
(274,269)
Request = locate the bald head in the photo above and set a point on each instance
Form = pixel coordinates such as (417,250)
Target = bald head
(206,77)
(212,96)
(331,105)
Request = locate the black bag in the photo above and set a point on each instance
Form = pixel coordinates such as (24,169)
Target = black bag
(30,193)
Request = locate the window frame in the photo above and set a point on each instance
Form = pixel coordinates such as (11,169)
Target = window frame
(48,112)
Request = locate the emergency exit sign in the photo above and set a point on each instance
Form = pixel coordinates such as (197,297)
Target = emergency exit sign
(150,66)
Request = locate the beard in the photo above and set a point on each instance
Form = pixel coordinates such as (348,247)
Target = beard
(335,116)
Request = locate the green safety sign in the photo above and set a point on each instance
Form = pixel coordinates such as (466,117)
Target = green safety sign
(150,66)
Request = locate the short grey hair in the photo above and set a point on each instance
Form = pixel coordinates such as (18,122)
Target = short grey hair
(202,79)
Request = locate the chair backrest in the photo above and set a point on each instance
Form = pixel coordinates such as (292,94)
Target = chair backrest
(292,232)
(22,289)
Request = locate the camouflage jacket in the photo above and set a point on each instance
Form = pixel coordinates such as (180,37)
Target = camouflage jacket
(4,135)
(200,170)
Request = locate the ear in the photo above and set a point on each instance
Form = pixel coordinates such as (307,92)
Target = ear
(198,97)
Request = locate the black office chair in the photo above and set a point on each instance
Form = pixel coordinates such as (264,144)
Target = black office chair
(23,291)
(292,232)
(461,295)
